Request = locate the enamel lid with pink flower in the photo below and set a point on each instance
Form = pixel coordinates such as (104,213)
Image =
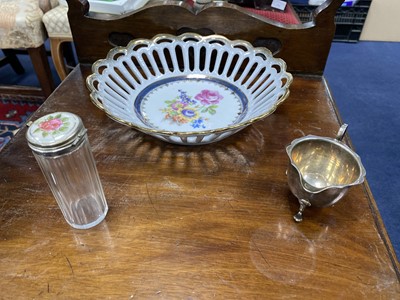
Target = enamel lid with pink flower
(54,131)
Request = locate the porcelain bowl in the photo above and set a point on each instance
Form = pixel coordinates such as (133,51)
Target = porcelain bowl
(189,89)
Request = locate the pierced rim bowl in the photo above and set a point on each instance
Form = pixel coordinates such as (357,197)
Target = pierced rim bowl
(188,89)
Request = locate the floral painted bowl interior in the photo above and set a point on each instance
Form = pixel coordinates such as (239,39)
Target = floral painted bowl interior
(189,89)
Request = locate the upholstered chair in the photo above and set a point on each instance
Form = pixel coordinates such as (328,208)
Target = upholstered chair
(21,27)
(57,26)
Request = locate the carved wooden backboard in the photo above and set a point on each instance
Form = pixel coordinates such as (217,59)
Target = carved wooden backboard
(304,47)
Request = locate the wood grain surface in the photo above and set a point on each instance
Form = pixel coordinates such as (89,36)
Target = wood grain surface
(203,222)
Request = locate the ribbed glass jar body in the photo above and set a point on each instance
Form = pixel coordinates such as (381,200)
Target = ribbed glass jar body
(75,183)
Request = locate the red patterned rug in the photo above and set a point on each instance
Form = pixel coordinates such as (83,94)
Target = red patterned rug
(14,111)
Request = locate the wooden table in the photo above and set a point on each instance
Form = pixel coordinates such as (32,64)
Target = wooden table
(203,222)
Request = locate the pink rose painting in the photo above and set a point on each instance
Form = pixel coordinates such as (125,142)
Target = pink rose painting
(51,125)
(207,97)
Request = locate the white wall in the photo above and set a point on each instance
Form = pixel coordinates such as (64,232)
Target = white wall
(383,21)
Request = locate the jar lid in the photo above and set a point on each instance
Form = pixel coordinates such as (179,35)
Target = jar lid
(54,131)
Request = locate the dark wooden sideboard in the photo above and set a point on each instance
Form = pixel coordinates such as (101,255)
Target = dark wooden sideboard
(204,222)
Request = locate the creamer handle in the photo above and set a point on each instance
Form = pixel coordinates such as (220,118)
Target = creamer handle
(341,132)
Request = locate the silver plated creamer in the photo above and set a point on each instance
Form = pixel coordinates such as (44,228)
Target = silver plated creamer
(321,170)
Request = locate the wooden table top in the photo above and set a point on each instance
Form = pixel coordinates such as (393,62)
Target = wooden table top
(203,222)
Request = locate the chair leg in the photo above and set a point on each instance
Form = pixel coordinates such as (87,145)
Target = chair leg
(12,59)
(42,68)
(57,53)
